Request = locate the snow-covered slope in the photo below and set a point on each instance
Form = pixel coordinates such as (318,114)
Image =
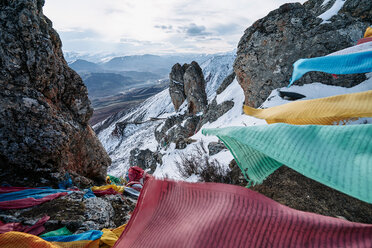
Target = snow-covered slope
(235,117)
(142,136)
(215,70)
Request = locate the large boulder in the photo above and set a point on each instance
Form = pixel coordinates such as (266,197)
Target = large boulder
(187,82)
(177,129)
(44,107)
(272,44)
(195,88)
(176,85)
(145,159)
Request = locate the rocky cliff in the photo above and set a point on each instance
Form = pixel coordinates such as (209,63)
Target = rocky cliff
(187,83)
(272,44)
(44,107)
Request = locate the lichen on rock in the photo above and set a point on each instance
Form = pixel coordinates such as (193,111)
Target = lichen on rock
(44,107)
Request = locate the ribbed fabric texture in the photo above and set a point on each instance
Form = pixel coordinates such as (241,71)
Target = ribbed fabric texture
(322,111)
(110,236)
(337,156)
(59,232)
(89,235)
(77,244)
(118,189)
(337,64)
(368,32)
(29,201)
(23,240)
(34,193)
(35,229)
(364,40)
(364,47)
(180,214)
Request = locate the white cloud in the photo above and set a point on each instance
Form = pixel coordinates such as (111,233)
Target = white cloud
(156,26)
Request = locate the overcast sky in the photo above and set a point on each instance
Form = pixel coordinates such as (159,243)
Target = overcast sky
(154,26)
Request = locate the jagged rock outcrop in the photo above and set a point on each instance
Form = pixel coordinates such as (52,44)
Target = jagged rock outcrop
(187,82)
(177,129)
(145,159)
(44,107)
(195,88)
(272,44)
(215,147)
(176,85)
(215,111)
(225,83)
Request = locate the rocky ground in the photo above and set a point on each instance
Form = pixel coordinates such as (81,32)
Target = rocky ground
(76,213)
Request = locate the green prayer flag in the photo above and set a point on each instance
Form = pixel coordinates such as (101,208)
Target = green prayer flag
(59,232)
(337,156)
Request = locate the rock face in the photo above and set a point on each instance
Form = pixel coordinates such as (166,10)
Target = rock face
(145,159)
(187,82)
(272,44)
(195,88)
(44,107)
(225,83)
(177,129)
(176,85)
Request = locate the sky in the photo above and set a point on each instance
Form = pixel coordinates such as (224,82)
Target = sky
(130,27)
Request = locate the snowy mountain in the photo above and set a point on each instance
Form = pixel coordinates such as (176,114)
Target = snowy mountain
(141,123)
(142,136)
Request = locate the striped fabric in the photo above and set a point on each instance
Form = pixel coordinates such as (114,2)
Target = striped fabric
(337,156)
(364,47)
(108,188)
(77,244)
(29,201)
(368,32)
(335,64)
(36,193)
(180,214)
(59,232)
(364,40)
(322,111)
(23,240)
(89,235)
(110,236)
(35,229)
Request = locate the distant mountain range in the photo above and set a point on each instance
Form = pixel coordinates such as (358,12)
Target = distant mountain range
(160,65)
(116,83)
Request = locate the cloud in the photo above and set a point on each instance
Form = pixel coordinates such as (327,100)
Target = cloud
(155,26)
(227,29)
(164,27)
(194,30)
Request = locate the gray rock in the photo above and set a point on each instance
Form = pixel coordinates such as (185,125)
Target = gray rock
(194,85)
(215,111)
(225,83)
(145,159)
(272,44)
(215,147)
(9,218)
(187,82)
(359,9)
(176,86)
(177,129)
(99,211)
(44,107)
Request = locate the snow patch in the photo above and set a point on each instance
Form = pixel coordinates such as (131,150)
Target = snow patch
(332,11)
